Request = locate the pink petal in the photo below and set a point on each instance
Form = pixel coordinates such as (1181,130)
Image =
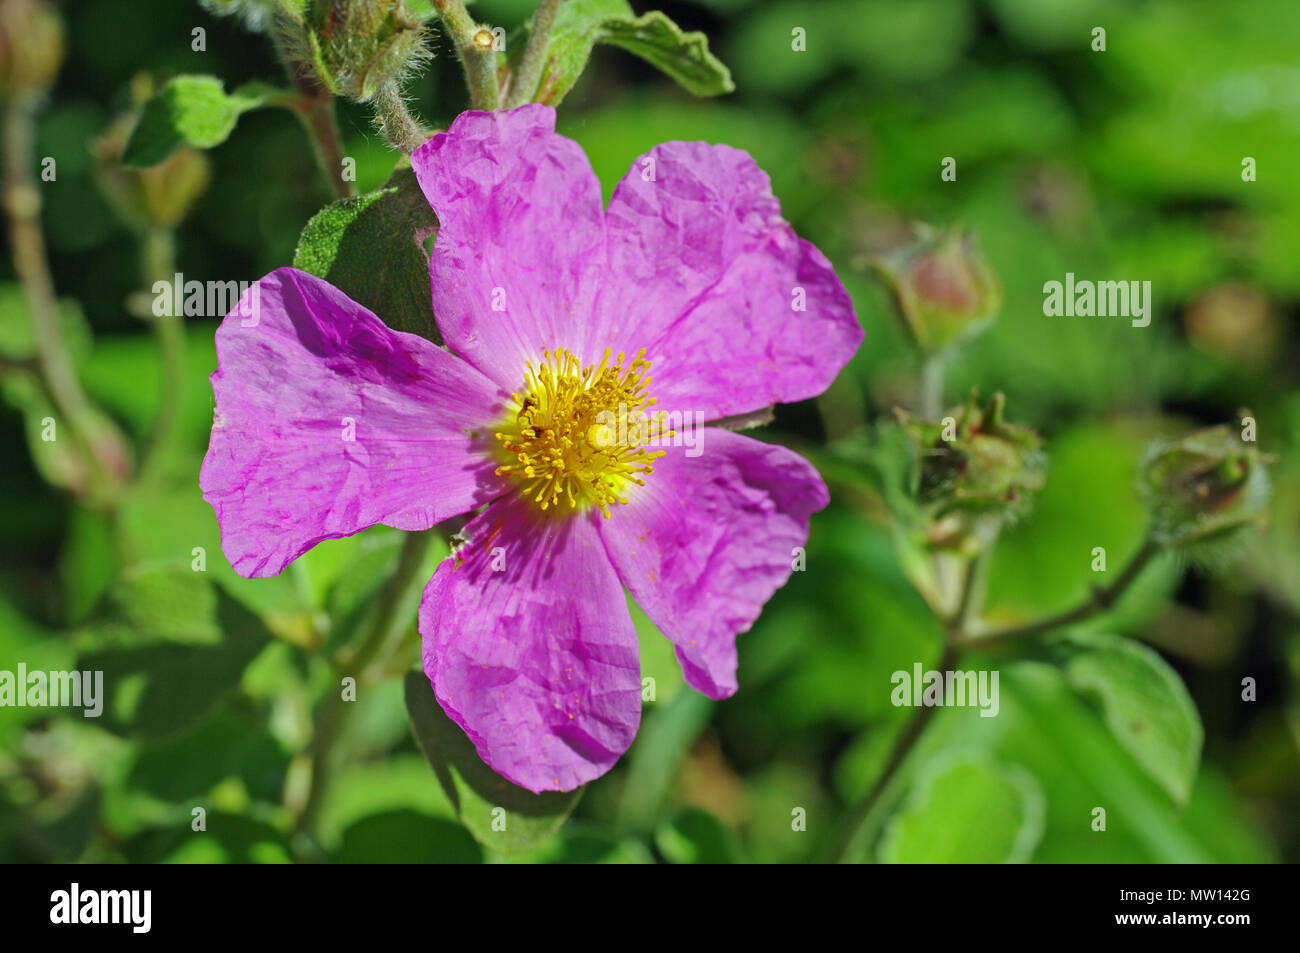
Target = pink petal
(520,248)
(706,275)
(704,544)
(537,662)
(280,471)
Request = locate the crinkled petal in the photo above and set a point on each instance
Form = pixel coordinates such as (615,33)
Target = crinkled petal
(736,312)
(520,247)
(536,660)
(704,544)
(328,422)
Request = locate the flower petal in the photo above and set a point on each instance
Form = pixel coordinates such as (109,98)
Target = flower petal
(706,275)
(327,422)
(537,661)
(520,248)
(704,544)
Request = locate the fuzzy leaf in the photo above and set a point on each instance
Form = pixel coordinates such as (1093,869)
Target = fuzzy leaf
(370,247)
(189,111)
(485,802)
(581,24)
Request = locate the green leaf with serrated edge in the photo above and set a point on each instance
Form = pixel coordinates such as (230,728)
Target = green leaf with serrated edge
(1144,703)
(370,248)
(581,24)
(485,802)
(966,809)
(189,111)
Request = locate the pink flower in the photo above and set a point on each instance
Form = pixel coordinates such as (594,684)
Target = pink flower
(542,407)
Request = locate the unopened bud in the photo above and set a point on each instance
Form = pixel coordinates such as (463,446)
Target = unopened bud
(974,468)
(31,46)
(1203,488)
(360,46)
(162,194)
(943,286)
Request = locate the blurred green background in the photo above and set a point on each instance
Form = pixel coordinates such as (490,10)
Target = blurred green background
(1121,164)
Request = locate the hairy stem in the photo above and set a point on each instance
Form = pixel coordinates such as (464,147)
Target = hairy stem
(524,84)
(397,605)
(395,120)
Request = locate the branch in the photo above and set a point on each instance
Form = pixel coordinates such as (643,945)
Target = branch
(1101,598)
(529,74)
(474,47)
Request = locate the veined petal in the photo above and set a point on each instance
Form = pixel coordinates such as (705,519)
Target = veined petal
(704,544)
(736,312)
(520,247)
(530,649)
(328,422)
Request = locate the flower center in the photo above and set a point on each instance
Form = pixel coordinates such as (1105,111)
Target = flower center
(580,433)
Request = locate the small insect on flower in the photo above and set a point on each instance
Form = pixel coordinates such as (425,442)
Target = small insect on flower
(547,413)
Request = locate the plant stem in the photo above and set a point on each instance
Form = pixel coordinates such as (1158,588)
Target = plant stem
(104,447)
(399,126)
(849,843)
(317,113)
(524,84)
(315,107)
(158,251)
(933,367)
(396,606)
(476,54)
(1101,598)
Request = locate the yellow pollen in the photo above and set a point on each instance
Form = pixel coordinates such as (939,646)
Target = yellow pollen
(579,435)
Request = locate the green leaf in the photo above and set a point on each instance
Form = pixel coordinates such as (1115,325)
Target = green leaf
(693,836)
(967,810)
(407,837)
(189,111)
(683,56)
(581,24)
(163,673)
(484,801)
(370,247)
(1144,703)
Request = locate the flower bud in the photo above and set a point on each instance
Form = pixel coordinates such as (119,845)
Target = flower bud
(31,46)
(360,46)
(975,470)
(159,195)
(1204,487)
(943,287)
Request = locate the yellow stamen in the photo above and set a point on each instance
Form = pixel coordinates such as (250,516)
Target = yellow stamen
(578,434)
